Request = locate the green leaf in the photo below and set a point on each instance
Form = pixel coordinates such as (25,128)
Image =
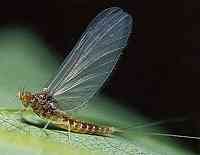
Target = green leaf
(101,112)
(26,62)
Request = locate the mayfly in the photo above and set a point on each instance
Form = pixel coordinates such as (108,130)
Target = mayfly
(82,73)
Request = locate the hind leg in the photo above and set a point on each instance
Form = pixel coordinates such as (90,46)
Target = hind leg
(69,130)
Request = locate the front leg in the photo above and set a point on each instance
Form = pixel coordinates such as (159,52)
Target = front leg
(22,111)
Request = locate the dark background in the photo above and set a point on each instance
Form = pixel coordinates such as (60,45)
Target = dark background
(159,76)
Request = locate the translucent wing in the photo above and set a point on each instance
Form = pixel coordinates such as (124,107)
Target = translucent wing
(92,59)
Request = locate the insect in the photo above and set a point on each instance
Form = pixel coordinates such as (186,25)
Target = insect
(82,73)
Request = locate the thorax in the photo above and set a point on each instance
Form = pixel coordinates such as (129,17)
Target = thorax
(43,105)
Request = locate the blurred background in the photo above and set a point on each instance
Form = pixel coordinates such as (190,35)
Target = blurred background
(158,77)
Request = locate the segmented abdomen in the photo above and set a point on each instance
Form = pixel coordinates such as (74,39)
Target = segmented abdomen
(78,126)
(47,111)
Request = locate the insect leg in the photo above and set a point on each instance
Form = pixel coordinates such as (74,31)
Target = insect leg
(46,125)
(43,129)
(68,128)
(21,111)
